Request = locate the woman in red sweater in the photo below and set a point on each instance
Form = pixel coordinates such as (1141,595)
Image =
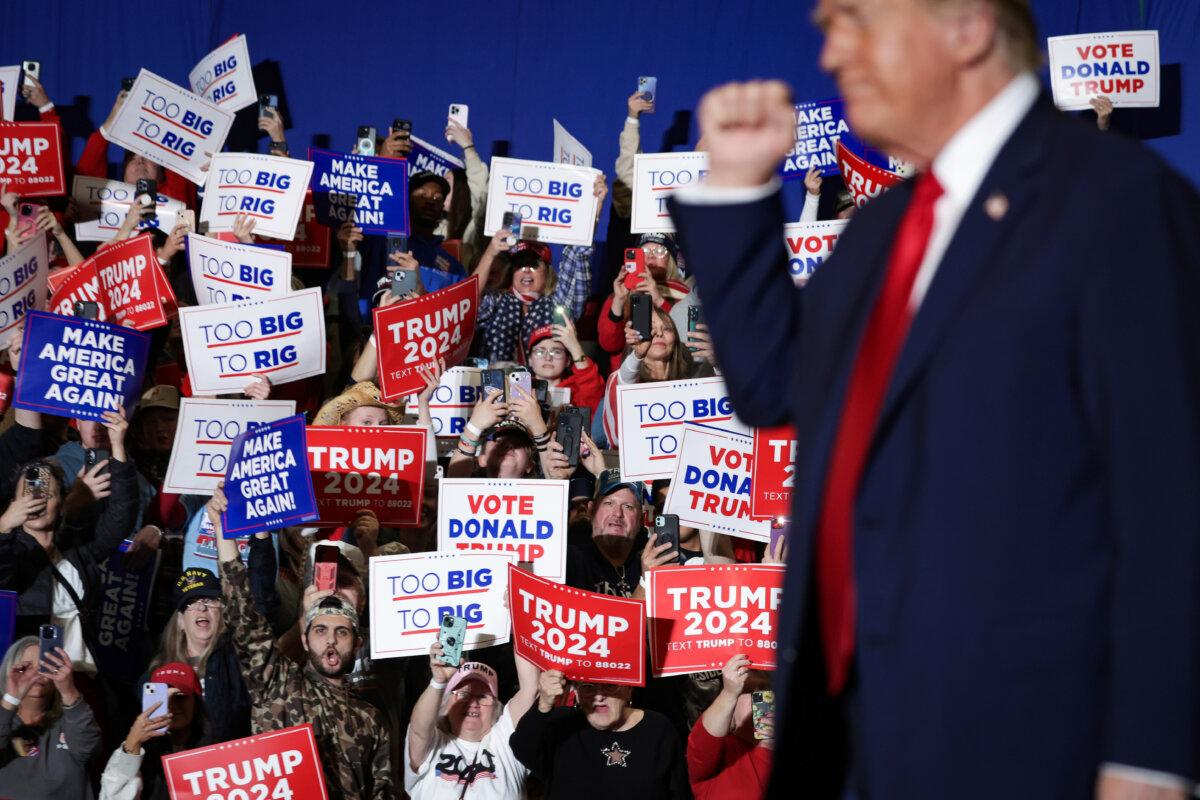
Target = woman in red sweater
(559,360)
(667,288)
(724,759)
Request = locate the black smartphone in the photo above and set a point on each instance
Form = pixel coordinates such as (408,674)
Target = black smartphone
(149,187)
(400,125)
(127,84)
(49,639)
(568,432)
(268,105)
(396,243)
(87,309)
(403,282)
(93,457)
(666,529)
(365,141)
(695,319)
(492,380)
(541,390)
(640,314)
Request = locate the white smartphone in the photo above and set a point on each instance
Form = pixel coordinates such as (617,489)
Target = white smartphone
(32,69)
(458,113)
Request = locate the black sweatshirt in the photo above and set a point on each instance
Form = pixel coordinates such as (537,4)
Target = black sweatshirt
(578,762)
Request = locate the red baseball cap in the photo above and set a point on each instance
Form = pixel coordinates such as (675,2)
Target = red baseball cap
(177,675)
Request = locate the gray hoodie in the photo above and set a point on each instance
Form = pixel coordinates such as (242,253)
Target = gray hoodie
(59,768)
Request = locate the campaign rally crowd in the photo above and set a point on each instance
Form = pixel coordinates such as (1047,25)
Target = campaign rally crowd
(140,631)
(160,604)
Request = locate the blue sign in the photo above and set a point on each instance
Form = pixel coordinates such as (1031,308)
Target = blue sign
(819,125)
(268,483)
(122,644)
(8,619)
(371,192)
(427,158)
(79,368)
(200,545)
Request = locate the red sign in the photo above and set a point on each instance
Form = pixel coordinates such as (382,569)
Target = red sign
(864,180)
(380,468)
(279,764)
(588,636)
(773,474)
(313,244)
(125,280)
(417,332)
(702,616)
(31,159)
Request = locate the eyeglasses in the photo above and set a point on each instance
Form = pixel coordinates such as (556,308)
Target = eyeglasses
(465,695)
(545,352)
(204,604)
(655,250)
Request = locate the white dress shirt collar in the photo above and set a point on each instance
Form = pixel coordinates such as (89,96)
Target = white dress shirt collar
(966,158)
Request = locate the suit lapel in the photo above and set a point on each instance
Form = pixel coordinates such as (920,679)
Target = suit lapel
(974,249)
(854,272)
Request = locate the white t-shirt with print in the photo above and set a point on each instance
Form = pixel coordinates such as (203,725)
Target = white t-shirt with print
(488,770)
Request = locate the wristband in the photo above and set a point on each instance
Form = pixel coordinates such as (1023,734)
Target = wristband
(469,147)
(470,454)
(468,441)
(581,360)
(471,427)
(436,684)
(632,121)
(8,698)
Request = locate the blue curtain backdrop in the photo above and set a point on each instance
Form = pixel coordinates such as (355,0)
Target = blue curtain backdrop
(516,64)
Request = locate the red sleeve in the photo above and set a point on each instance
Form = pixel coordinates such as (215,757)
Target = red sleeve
(94,161)
(704,753)
(610,335)
(51,115)
(179,187)
(587,387)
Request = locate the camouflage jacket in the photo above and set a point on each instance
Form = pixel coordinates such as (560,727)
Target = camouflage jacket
(351,735)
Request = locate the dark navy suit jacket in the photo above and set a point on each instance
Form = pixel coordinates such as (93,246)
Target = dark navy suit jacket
(1027,528)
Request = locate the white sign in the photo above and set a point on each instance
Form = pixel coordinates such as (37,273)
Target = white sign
(411,593)
(268,189)
(568,149)
(525,517)
(232,272)
(1122,66)
(282,338)
(655,176)
(9,77)
(651,416)
(452,401)
(711,485)
(204,435)
(170,126)
(223,77)
(103,205)
(22,285)
(557,199)
(809,244)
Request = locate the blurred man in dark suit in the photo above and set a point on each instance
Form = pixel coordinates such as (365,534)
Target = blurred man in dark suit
(994,577)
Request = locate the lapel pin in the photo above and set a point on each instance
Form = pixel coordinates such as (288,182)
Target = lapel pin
(996,206)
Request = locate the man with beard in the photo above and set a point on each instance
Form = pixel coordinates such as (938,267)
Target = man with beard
(610,563)
(351,735)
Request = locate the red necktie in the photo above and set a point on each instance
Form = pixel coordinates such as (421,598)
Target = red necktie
(873,367)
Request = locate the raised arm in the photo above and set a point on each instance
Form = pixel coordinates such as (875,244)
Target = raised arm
(422,726)
(730,228)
